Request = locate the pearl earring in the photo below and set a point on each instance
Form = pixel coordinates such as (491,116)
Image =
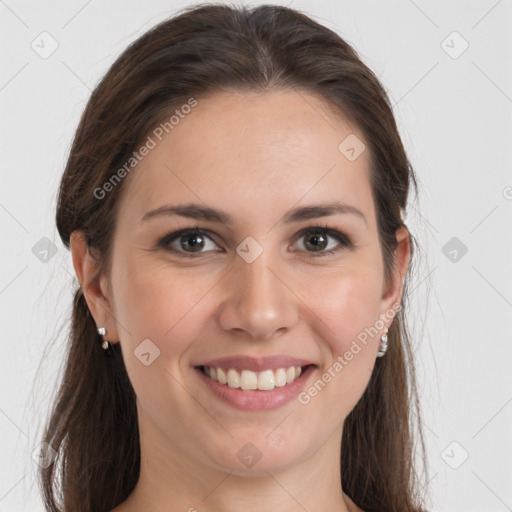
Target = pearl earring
(383,344)
(102,331)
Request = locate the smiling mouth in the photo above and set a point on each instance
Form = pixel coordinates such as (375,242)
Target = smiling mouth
(247,380)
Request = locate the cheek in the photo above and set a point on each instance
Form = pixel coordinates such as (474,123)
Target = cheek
(347,302)
(160,305)
(348,309)
(168,309)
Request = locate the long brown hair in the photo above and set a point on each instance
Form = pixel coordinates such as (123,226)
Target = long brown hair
(204,49)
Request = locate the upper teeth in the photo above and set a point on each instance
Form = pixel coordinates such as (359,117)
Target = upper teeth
(247,379)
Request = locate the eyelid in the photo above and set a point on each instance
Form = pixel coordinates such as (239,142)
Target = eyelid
(344,241)
(165,242)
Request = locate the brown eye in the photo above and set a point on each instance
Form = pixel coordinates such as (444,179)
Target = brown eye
(316,241)
(195,242)
(188,242)
(323,241)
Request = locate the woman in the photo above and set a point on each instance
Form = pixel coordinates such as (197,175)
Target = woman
(233,202)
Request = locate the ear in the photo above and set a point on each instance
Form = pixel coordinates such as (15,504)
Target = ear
(392,294)
(94,285)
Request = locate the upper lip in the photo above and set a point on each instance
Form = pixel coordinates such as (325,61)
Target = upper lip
(256,364)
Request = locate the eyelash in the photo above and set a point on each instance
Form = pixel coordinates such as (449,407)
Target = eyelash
(317,229)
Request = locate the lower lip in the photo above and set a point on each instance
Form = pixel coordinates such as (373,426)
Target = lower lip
(256,400)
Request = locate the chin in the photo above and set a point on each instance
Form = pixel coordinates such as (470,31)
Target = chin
(257,455)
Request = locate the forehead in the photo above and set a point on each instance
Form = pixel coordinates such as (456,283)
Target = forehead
(253,153)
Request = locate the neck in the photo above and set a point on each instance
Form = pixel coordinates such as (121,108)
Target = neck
(171,478)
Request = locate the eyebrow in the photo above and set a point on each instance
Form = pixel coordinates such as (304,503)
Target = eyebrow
(201,212)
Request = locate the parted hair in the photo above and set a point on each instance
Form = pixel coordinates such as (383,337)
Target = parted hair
(201,50)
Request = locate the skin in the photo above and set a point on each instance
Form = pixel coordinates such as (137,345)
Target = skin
(256,156)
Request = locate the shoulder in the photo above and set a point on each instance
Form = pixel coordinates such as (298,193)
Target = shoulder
(351,505)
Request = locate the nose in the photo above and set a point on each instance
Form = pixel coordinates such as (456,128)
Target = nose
(258,300)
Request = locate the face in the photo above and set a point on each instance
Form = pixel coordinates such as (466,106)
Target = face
(258,283)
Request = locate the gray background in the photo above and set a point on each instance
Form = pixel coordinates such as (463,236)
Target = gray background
(454,112)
